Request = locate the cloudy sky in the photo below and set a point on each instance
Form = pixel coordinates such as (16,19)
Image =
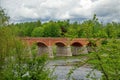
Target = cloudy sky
(75,10)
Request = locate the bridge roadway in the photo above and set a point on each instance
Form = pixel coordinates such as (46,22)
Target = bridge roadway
(64,46)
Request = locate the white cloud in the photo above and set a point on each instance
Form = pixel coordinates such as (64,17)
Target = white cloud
(107,10)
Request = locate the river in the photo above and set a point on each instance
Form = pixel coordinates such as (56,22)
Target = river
(61,70)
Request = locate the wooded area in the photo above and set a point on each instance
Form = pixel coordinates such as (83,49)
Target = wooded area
(92,28)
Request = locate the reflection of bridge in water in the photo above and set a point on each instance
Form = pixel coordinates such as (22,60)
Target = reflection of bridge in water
(64,46)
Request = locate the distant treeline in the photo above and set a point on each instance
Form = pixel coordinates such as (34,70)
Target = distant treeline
(87,29)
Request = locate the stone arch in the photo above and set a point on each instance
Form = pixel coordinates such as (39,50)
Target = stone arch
(61,49)
(60,44)
(42,48)
(76,48)
(41,44)
(76,44)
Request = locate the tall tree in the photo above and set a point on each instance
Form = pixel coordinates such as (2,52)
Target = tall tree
(51,29)
(3,18)
(38,32)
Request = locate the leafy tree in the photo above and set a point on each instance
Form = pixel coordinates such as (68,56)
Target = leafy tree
(111,30)
(38,32)
(64,25)
(51,29)
(3,18)
(101,34)
(4,38)
(16,60)
(87,27)
(72,31)
(107,59)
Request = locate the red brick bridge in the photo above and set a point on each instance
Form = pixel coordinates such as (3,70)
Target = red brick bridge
(60,46)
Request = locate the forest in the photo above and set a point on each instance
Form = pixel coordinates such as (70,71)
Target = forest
(92,28)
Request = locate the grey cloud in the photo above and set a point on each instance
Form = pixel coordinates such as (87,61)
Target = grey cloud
(108,10)
(29,10)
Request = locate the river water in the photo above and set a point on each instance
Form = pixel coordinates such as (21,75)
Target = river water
(61,70)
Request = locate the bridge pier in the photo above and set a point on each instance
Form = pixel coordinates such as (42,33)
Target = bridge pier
(69,53)
(60,51)
(77,50)
(42,50)
(63,51)
(50,52)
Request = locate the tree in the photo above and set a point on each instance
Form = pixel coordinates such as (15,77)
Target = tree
(38,32)
(64,25)
(51,29)
(107,59)
(7,40)
(3,18)
(16,62)
(111,30)
(72,31)
(4,47)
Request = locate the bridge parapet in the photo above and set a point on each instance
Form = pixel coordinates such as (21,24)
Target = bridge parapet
(52,41)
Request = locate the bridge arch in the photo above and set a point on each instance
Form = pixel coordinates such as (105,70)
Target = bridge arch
(76,44)
(76,48)
(42,48)
(60,44)
(41,44)
(61,49)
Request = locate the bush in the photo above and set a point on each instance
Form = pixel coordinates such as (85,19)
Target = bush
(17,62)
(107,59)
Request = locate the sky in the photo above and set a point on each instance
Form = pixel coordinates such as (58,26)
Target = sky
(74,10)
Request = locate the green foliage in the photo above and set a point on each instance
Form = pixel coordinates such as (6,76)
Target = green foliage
(8,45)
(71,33)
(111,30)
(107,59)
(25,29)
(110,59)
(6,42)
(38,32)
(3,18)
(101,33)
(87,29)
(17,62)
(51,29)
(32,68)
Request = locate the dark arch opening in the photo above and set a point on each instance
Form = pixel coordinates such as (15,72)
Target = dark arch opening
(41,44)
(76,48)
(77,44)
(60,44)
(42,48)
(61,49)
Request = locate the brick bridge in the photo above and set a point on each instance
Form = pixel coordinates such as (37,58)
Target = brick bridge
(60,46)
